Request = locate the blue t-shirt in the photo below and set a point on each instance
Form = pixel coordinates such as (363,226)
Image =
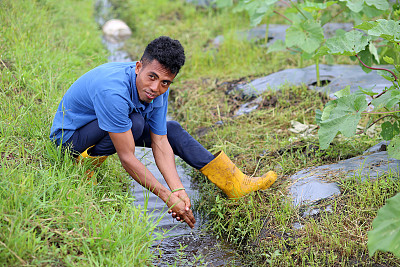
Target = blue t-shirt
(107,93)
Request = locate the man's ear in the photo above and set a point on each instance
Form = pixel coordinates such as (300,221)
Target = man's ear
(138,67)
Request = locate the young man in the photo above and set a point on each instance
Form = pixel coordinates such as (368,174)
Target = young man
(117,106)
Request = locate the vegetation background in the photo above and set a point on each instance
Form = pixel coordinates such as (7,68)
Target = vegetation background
(50,215)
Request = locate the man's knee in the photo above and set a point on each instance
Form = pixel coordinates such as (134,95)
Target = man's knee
(174,128)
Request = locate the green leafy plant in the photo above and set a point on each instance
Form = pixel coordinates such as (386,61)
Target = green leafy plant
(305,35)
(344,113)
(385,235)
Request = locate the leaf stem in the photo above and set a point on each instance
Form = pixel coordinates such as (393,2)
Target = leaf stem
(298,9)
(374,68)
(280,14)
(292,50)
(267,31)
(317,71)
(390,115)
(381,93)
(340,12)
(389,112)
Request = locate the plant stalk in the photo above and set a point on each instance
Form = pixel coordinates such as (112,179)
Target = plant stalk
(301,61)
(390,115)
(383,112)
(283,16)
(298,9)
(333,17)
(317,71)
(266,31)
(373,68)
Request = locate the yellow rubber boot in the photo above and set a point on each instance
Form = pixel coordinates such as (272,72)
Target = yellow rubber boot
(224,174)
(96,161)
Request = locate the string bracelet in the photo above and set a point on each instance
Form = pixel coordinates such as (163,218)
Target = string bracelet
(178,189)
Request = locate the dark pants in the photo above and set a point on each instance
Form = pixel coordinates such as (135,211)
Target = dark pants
(182,143)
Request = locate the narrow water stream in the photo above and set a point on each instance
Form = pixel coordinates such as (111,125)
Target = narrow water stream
(196,242)
(181,245)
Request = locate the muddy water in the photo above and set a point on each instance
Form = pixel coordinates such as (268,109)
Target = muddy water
(180,245)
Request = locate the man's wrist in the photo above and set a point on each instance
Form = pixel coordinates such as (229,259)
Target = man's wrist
(177,189)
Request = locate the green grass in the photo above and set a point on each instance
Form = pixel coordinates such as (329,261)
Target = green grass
(50,215)
(260,225)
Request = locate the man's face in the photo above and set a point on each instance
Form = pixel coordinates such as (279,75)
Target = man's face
(152,80)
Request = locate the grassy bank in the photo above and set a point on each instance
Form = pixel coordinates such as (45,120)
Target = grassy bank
(49,214)
(261,224)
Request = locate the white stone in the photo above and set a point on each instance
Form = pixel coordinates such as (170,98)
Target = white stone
(116,30)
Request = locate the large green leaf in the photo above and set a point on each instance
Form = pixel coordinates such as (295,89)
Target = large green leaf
(354,5)
(366,25)
(257,9)
(385,233)
(322,51)
(366,57)
(358,5)
(344,92)
(372,12)
(312,6)
(387,29)
(394,148)
(386,99)
(326,113)
(318,116)
(343,118)
(379,4)
(395,99)
(307,35)
(389,130)
(348,44)
(374,52)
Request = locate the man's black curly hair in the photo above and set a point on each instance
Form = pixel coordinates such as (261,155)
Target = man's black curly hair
(168,52)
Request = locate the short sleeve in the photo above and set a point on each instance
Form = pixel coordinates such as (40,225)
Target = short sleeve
(158,120)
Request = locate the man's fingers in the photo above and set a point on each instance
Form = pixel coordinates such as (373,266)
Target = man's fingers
(190,222)
(189,218)
(187,203)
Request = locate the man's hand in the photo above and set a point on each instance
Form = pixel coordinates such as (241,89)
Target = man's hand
(179,202)
(183,195)
(165,161)
(180,210)
(185,198)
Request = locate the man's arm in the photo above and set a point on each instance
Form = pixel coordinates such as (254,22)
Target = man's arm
(125,147)
(165,160)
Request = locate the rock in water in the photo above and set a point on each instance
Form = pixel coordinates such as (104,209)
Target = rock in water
(116,30)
